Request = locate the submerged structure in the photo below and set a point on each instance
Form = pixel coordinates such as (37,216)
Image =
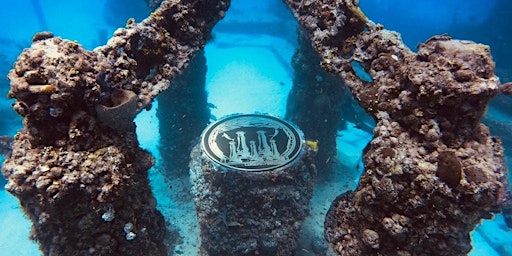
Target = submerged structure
(76,166)
(252,179)
(432,170)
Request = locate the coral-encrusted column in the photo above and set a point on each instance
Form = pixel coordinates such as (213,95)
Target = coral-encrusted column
(183,113)
(321,104)
(76,167)
(315,103)
(432,170)
(252,180)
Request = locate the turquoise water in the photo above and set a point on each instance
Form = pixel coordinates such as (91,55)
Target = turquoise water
(252,50)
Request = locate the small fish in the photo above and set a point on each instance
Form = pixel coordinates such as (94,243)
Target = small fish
(313,144)
(235,224)
(305,250)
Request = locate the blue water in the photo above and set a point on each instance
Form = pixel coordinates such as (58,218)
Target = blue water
(419,20)
(253,47)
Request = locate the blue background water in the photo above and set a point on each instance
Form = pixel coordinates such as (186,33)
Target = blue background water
(252,47)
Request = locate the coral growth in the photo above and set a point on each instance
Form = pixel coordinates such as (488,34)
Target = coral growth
(76,166)
(250,213)
(432,170)
(51,81)
(67,193)
(119,110)
(183,114)
(317,102)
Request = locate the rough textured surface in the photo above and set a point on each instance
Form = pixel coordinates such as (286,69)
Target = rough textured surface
(315,103)
(250,213)
(320,104)
(432,171)
(80,201)
(183,113)
(76,166)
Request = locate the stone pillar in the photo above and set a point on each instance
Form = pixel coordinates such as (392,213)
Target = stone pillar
(76,166)
(182,113)
(87,202)
(432,170)
(251,203)
(320,104)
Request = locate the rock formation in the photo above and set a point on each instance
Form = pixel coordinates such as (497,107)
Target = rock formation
(315,102)
(183,113)
(251,213)
(76,166)
(320,104)
(432,170)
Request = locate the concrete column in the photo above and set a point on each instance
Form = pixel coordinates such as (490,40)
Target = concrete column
(252,205)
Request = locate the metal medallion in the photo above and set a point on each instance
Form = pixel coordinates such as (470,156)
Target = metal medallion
(252,142)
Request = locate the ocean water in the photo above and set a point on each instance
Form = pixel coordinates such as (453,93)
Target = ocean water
(251,51)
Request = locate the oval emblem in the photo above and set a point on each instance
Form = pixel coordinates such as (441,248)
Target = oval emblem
(252,142)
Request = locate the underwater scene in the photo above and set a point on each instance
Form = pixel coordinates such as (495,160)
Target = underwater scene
(271,127)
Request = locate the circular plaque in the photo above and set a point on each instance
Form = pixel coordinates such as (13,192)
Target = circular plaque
(252,142)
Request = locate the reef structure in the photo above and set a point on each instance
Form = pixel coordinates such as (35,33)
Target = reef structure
(432,170)
(315,102)
(252,179)
(320,104)
(243,213)
(76,166)
(183,113)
